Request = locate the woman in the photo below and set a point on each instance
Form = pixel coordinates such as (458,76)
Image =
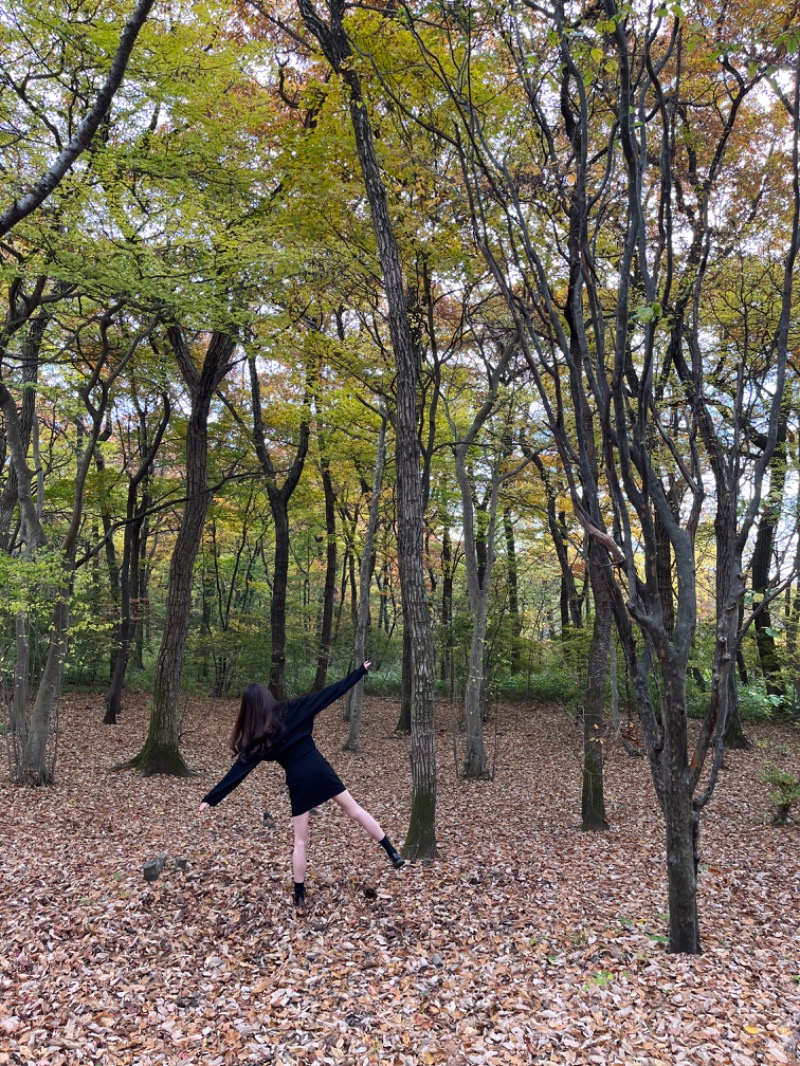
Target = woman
(281,732)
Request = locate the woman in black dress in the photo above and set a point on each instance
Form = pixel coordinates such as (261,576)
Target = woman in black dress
(281,732)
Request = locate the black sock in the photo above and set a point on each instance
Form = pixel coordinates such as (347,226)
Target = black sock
(299,892)
(389,848)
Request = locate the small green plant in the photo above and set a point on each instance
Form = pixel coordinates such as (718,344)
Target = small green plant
(602,979)
(785,793)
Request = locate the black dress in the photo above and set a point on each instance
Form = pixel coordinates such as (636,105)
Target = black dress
(310,777)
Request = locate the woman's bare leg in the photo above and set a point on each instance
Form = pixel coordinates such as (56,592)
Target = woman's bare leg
(358,814)
(300,852)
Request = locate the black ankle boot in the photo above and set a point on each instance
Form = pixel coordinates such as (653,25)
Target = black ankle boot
(299,895)
(396,858)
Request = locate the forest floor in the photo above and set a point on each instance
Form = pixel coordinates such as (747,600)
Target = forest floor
(527,941)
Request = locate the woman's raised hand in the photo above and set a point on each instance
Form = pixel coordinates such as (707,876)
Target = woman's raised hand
(367,664)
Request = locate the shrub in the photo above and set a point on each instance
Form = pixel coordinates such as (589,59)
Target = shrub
(784,795)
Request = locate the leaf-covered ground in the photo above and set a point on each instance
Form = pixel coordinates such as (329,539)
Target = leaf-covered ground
(528,941)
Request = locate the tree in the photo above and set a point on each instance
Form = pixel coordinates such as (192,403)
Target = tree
(365,580)
(105,360)
(161,751)
(479,570)
(136,511)
(333,40)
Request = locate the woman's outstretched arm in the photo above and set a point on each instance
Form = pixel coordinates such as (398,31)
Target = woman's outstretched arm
(237,773)
(304,707)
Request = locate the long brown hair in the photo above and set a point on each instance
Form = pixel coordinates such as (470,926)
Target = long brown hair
(259,722)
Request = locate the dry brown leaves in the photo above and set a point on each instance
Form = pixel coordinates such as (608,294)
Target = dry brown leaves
(526,942)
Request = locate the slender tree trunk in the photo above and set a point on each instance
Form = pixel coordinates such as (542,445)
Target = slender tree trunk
(113,698)
(279,496)
(741,662)
(570,600)
(681,821)
(421,838)
(8,503)
(761,563)
(664,575)
(326,627)
(33,768)
(667,744)
(19,704)
(129,571)
(143,616)
(593,808)
(475,761)
(280,584)
(359,651)
(29,376)
(479,566)
(446,615)
(513,589)
(727,566)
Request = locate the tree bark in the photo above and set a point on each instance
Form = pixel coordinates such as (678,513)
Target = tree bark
(593,807)
(359,650)
(571,601)
(513,589)
(761,564)
(135,517)
(161,752)
(326,624)
(421,838)
(279,496)
(446,612)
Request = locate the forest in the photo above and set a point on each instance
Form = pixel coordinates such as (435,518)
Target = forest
(461,336)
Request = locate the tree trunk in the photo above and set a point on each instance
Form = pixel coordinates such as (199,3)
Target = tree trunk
(406,684)
(475,761)
(359,650)
(129,571)
(735,736)
(280,583)
(664,575)
(571,602)
(681,841)
(19,703)
(29,376)
(761,563)
(421,838)
(279,496)
(681,821)
(161,752)
(326,626)
(125,632)
(727,566)
(513,589)
(33,767)
(593,808)
(446,615)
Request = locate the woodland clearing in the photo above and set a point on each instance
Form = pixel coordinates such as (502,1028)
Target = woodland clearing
(527,941)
